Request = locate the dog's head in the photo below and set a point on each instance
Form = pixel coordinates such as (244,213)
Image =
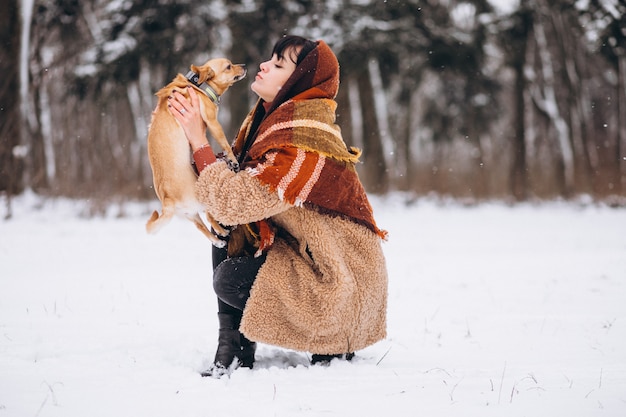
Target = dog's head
(219,73)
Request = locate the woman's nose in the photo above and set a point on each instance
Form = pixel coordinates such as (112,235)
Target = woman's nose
(263,66)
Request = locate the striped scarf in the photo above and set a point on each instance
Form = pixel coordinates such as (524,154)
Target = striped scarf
(298,150)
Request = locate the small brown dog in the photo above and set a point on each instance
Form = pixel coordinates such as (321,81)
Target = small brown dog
(168,149)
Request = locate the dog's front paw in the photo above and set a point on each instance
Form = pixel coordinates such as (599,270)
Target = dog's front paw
(233,165)
(219,243)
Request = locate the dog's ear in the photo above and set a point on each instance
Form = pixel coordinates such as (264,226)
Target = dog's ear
(204,72)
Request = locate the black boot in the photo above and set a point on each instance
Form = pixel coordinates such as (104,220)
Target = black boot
(248,348)
(324,360)
(228,346)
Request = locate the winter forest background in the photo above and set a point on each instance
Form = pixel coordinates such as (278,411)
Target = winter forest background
(473,99)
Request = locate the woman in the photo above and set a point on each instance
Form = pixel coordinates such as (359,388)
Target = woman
(304,267)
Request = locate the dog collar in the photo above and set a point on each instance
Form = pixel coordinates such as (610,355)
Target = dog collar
(211,93)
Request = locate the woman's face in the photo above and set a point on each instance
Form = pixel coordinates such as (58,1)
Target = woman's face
(273,74)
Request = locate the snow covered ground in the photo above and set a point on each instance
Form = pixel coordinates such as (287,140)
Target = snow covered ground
(493,311)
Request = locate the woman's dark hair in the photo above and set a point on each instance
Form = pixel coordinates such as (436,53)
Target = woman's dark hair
(293,42)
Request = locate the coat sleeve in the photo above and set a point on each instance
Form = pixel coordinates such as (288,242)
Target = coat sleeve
(236,198)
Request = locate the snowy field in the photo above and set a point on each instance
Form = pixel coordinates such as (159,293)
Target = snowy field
(493,311)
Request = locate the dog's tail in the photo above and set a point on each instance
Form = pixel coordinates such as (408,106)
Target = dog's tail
(156,221)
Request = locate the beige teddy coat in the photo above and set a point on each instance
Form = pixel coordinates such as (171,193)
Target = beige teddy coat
(327,297)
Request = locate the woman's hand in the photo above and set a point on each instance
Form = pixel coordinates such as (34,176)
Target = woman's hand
(187,112)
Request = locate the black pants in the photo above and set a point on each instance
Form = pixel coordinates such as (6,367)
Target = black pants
(233,279)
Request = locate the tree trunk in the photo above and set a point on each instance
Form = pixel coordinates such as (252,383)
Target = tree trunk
(620,180)
(380,105)
(573,84)
(477,185)
(374,168)
(239,99)
(11,167)
(519,167)
(547,102)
